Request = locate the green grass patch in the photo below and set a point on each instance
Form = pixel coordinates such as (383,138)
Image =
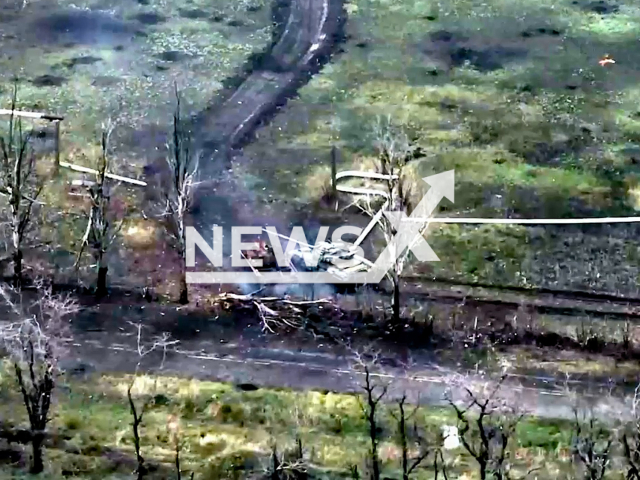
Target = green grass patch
(226,430)
(509,94)
(134,85)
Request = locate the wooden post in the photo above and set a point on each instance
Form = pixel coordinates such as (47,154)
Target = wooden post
(334,170)
(56,119)
(57,167)
(334,173)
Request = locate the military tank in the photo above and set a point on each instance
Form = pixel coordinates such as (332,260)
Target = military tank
(337,259)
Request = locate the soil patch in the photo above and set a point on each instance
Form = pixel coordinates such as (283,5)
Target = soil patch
(457,50)
(150,18)
(600,7)
(194,14)
(83,27)
(48,81)
(84,60)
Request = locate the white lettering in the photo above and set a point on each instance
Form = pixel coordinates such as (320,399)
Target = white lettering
(213,253)
(336,238)
(237,246)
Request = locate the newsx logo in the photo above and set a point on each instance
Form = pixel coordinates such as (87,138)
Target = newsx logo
(339,252)
(296,241)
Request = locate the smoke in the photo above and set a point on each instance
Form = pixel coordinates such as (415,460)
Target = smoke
(227,202)
(313,291)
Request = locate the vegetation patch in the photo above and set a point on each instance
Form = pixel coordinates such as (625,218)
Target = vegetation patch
(120,60)
(224,429)
(510,95)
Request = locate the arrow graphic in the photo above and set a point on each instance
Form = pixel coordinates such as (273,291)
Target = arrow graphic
(409,233)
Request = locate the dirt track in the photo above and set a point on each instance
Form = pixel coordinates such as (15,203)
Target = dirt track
(235,349)
(306,35)
(270,362)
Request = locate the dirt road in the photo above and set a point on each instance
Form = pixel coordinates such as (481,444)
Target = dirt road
(237,350)
(271,363)
(306,34)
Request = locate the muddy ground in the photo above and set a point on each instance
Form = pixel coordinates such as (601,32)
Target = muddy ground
(236,349)
(233,345)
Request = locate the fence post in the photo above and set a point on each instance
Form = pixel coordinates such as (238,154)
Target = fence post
(334,162)
(57,167)
(56,119)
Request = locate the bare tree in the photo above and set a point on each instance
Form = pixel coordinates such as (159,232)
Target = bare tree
(177,193)
(291,465)
(370,409)
(439,465)
(33,342)
(394,151)
(591,446)
(137,411)
(631,440)
(173,426)
(486,425)
(102,224)
(20,183)
(409,439)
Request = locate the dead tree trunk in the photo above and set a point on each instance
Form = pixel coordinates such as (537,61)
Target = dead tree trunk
(20,184)
(101,287)
(370,411)
(177,462)
(137,413)
(402,430)
(102,226)
(406,438)
(396,296)
(394,152)
(37,442)
(176,195)
(135,425)
(36,397)
(31,343)
(591,448)
(184,287)
(17,264)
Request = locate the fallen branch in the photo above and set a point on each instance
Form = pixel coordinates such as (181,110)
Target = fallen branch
(264,313)
(249,297)
(113,176)
(280,312)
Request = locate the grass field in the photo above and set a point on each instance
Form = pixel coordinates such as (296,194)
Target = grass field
(511,95)
(97,60)
(94,61)
(228,433)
